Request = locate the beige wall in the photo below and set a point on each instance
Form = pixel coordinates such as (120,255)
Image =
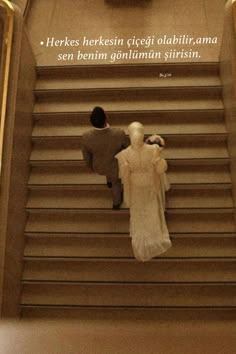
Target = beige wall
(1,34)
(124,19)
(15,169)
(21,3)
(228,77)
(1,50)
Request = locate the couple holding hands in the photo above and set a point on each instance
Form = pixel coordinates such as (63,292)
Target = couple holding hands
(141,169)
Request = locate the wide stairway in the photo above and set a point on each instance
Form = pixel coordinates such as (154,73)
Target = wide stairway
(78,257)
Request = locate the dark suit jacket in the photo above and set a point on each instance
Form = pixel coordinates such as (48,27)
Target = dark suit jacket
(99,146)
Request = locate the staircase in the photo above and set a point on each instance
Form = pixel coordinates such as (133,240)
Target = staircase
(78,257)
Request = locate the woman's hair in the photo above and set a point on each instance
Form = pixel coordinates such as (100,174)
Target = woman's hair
(98,117)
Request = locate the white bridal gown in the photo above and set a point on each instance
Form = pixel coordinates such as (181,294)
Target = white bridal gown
(142,171)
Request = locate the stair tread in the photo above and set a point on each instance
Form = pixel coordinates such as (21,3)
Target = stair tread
(182,294)
(116,260)
(103,187)
(177,146)
(65,235)
(148,117)
(167,315)
(230,285)
(171,138)
(130,273)
(208,220)
(218,210)
(78,82)
(138,105)
(69,198)
(119,245)
(208,319)
(179,172)
(67,128)
(161,90)
(215,147)
(210,66)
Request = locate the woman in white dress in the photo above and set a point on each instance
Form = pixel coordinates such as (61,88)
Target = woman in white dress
(142,170)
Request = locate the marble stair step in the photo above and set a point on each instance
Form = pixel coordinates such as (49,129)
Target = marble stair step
(159,79)
(129,93)
(134,75)
(192,171)
(61,107)
(117,221)
(129,270)
(139,294)
(129,100)
(179,122)
(177,146)
(119,245)
(191,197)
(154,316)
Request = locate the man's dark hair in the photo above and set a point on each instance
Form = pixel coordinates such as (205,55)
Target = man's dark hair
(98,117)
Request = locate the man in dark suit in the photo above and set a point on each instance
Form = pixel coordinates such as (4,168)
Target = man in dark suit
(99,146)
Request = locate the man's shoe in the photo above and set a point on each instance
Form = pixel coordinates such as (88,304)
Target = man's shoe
(109,184)
(116,207)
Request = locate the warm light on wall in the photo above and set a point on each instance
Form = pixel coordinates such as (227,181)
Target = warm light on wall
(8,20)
